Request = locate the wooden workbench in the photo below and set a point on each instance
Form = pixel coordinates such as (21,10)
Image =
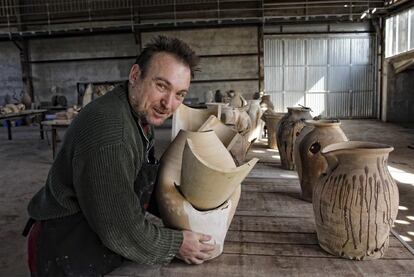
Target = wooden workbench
(54,125)
(22,114)
(273,234)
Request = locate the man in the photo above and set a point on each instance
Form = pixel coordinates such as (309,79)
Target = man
(89,216)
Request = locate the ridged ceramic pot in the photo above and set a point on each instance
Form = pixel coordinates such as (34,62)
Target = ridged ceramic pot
(272,120)
(356,201)
(309,162)
(289,128)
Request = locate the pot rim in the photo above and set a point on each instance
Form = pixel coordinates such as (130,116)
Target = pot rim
(299,109)
(323,122)
(275,115)
(360,146)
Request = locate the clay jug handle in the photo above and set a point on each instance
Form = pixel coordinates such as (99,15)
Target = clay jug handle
(333,163)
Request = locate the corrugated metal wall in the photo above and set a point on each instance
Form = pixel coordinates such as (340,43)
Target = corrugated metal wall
(334,74)
(399,33)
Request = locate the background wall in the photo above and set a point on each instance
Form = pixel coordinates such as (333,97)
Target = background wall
(400,97)
(63,62)
(229,58)
(10,70)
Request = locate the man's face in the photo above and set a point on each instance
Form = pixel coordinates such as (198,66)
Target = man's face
(162,90)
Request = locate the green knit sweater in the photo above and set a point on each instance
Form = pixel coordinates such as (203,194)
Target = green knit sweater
(94,173)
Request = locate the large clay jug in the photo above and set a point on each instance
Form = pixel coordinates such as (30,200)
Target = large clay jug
(356,201)
(309,162)
(272,120)
(289,128)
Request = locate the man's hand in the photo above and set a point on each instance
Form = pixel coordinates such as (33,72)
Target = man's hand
(195,249)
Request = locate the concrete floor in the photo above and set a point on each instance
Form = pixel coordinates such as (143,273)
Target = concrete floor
(26,159)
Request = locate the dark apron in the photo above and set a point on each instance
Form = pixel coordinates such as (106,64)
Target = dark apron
(69,247)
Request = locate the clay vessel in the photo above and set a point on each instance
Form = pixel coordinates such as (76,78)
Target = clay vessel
(190,119)
(236,144)
(289,128)
(26,100)
(272,120)
(356,201)
(176,212)
(21,106)
(309,162)
(5,110)
(266,103)
(227,135)
(255,114)
(208,179)
(13,108)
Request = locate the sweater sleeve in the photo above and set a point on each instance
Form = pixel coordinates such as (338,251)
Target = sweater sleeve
(104,184)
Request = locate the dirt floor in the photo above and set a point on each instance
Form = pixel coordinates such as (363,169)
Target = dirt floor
(26,159)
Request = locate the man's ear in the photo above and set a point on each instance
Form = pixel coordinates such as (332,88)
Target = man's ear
(134,73)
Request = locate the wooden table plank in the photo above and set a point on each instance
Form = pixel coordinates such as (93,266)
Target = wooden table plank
(300,250)
(261,265)
(286,238)
(284,204)
(273,224)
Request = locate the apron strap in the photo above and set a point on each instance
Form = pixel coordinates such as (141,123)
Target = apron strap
(28,226)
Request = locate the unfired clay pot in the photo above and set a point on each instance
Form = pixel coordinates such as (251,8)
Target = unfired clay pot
(255,114)
(177,212)
(209,176)
(13,107)
(309,162)
(289,128)
(190,119)
(272,120)
(356,201)
(266,103)
(26,100)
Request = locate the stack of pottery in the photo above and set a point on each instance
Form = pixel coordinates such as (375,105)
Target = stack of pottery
(356,200)
(199,185)
(289,128)
(309,162)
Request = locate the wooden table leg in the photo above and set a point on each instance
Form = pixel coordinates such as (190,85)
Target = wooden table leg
(54,139)
(42,132)
(9,131)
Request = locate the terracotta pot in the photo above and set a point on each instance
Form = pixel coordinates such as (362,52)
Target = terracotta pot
(356,201)
(272,120)
(309,162)
(289,128)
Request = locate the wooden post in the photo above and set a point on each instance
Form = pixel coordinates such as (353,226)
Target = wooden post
(260,57)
